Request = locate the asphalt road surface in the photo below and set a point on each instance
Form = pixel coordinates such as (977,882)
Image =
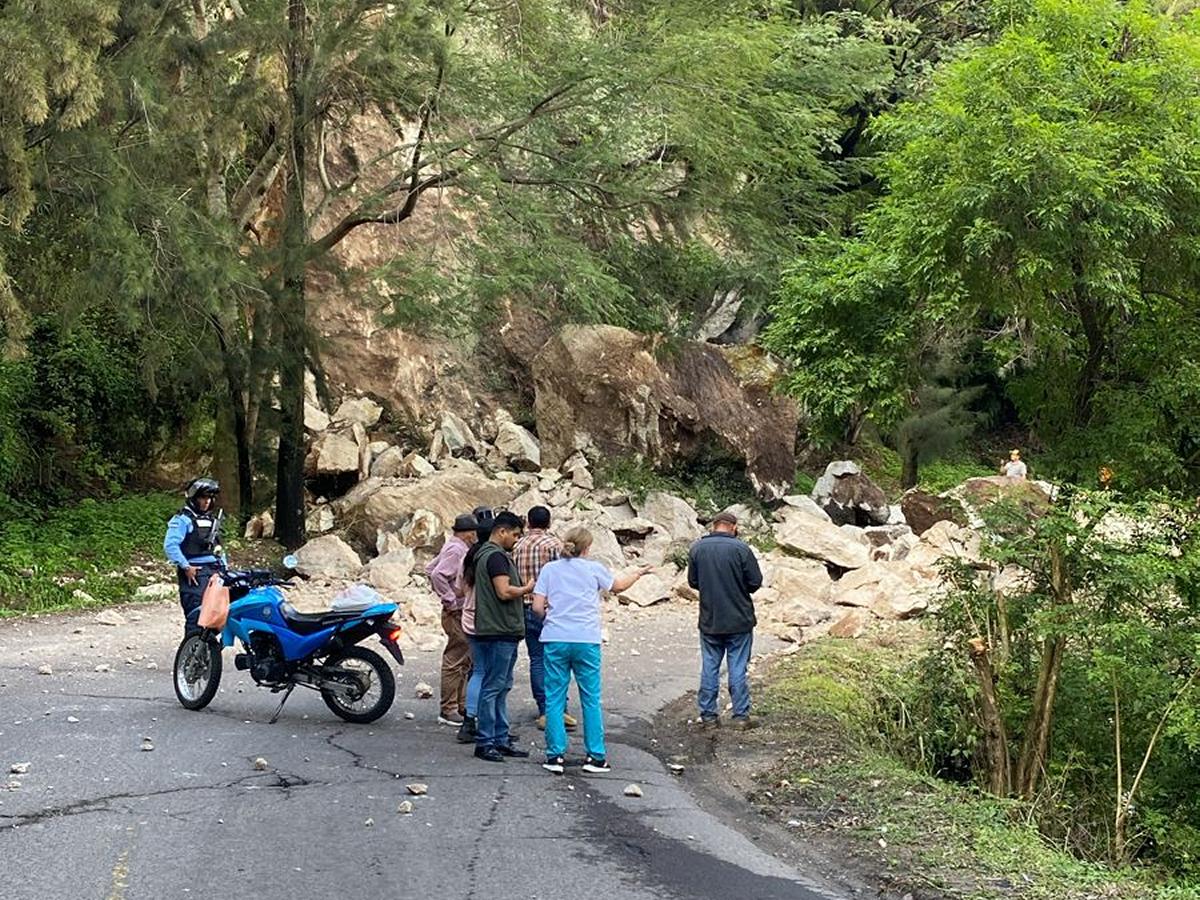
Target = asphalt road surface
(96,816)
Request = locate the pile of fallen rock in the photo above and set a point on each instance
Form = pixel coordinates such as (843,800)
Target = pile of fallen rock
(833,561)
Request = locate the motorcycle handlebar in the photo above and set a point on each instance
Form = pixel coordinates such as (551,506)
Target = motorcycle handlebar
(252,578)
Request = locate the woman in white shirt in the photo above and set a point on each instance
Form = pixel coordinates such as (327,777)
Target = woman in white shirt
(568,593)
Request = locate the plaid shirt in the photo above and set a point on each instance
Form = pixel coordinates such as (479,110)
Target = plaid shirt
(536,548)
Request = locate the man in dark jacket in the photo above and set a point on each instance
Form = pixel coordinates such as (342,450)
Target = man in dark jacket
(725,572)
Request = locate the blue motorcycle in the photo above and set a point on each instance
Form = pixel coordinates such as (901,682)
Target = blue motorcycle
(283,648)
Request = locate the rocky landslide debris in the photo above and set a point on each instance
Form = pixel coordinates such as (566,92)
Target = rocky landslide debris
(841,559)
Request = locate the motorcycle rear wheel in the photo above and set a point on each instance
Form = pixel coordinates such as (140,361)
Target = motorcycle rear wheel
(379,685)
(197,671)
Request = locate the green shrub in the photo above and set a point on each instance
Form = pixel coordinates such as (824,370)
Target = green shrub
(45,558)
(713,482)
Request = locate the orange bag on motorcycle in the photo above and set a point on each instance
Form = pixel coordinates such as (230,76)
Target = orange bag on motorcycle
(214,605)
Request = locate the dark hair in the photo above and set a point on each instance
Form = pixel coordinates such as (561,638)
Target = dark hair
(469,562)
(539,517)
(508,519)
(486,519)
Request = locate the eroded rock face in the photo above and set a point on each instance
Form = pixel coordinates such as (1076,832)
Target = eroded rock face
(849,497)
(604,390)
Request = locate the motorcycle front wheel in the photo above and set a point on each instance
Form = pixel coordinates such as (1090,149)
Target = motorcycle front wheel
(197,671)
(372,686)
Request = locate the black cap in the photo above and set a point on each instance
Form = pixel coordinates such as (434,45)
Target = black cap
(466,522)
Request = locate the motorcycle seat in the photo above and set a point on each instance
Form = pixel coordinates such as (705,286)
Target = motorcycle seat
(307,623)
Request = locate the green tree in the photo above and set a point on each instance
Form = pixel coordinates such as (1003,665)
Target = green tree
(1044,194)
(1077,665)
(48,51)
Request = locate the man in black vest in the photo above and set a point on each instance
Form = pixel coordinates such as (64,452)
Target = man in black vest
(193,544)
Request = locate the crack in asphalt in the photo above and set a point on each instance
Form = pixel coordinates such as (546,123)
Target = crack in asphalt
(472,866)
(283,781)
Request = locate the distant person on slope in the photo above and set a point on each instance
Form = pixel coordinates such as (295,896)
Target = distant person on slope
(725,572)
(1015,467)
(193,544)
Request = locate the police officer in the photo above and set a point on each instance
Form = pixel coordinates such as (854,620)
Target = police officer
(193,544)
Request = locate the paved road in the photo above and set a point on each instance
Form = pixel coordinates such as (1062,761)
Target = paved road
(97,817)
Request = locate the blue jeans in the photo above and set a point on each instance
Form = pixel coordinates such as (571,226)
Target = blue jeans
(583,660)
(475,682)
(537,665)
(714,648)
(498,657)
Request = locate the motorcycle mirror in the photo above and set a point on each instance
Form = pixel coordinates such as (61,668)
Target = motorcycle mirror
(290,561)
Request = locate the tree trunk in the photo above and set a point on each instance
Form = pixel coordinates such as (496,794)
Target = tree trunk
(910,462)
(225,466)
(1035,749)
(236,409)
(289,496)
(995,735)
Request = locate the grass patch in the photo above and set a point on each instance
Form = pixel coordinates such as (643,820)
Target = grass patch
(838,707)
(80,556)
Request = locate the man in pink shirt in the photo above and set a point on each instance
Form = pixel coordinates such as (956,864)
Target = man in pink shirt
(443,574)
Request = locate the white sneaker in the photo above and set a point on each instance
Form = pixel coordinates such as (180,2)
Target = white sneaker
(452,721)
(598,766)
(555,764)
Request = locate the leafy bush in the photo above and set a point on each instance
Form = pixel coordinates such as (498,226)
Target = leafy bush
(45,558)
(1073,684)
(712,483)
(76,412)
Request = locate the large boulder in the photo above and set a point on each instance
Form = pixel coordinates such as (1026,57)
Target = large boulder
(804,503)
(389,463)
(923,509)
(519,447)
(803,534)
(980,493)
(651,588)
(333,453)
(607,391)
(328,557)
(457,436)
(379,504)
(391,572)
(889,590)
(849,497)
(794,591)
(414,465)
(945,540)
(672,515)
(315,419)
(358,411)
